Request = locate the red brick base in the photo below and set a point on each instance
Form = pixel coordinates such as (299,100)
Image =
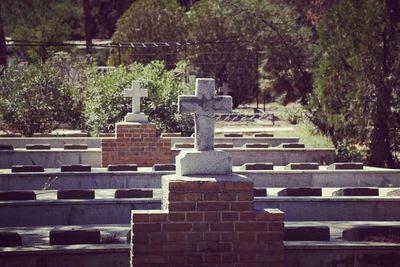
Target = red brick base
(135,143)
(208,222)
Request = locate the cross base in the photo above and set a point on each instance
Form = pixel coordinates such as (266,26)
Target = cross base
(203,162)
(136,117)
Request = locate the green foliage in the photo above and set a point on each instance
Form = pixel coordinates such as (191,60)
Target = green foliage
(294,113)
(105,104)
(350,153)
(36,98)
(149,21)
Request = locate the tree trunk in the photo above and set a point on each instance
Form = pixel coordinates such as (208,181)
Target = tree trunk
(3,48)
(88,25)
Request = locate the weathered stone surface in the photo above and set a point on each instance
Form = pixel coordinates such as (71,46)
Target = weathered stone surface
(27,168)
(223,145)
(364,233)
(257,166)
(74,237)
(346,166)
(260,192)
(17,195)
(203,162)
(75,194)
(75,146)
(122,167)
(76,168)
(38,146)
(300,192)
(292,145)
(263,135)
(10,239)
(233,135)
(133,193)
(6,147)
(184,145)
(302,166)
(307,233)
(204,104)
(171,135)
(136,93)
(256,145)
(357,191)
(164,167)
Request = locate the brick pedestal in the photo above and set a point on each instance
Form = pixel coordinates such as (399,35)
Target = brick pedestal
(207,222)
(135,143)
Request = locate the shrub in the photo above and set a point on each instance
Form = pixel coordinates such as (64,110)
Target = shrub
(105,104)
(36,98)
(293,113)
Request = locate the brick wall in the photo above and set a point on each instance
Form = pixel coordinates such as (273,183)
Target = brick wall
(135,143)
(207,223)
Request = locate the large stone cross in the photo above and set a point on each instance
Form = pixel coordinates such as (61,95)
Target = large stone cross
(136,93)
(204,104)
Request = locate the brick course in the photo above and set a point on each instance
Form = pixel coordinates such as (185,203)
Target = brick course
(135,143)
(209,223)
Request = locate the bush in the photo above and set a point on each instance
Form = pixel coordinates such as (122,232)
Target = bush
(294,113)
(105,104)
(350,153)
(36,98)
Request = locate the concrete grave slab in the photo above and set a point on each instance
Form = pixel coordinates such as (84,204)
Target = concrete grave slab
(76,146)
(10,239)
(27,168)
(223,145)
(75,194)
(76,168)
(257,166)
(233,135)
(369,233)
(263,135)
(17,195)
(38,146)
(133,193)
(256,145)
(302,166)
(6,147)
(122,167)
(346,166)
(74,237)
(357,191)
(292,145)
(164,167)
(302,191)
(260,192)
(307,233)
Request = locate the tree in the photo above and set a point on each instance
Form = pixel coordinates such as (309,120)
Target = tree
(3,48)
(357,77)
(88,25)
(149,21)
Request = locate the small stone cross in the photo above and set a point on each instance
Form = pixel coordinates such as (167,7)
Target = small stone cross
(136,92)
(204,104)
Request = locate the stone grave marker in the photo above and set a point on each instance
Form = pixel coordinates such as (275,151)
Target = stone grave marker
(75,194)
(300,192)
(122,167)
(223,145)
(136,92)
(38,146)
(356,191)
(307,233)
(263,135)
(164,167)
(76,146)
(6,147)
(256,145)
(10,239)
(74,237)
(292,145)
(76,168)
(257,166)
(233,135)
(17,195)
(27,168)
(133,193)
(346,166)
(302,166)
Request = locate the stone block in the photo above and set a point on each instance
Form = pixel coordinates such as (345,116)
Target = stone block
(203,162)
(356,191)
(307,233)
(74,237)
(233,135)
(171,135)
(292,145)
(38,147)
(256,145)
(260,192)
(302,166)
(6,147)
(10,239)
(75,194)
(76,146)
(133,193)
(257,166)
(76,168)
(346,166)
(184,145)
(263,135)
(223,145)
(122,167)
(17,195)
(300,192)
(164,167)
(27,168)
(366,232)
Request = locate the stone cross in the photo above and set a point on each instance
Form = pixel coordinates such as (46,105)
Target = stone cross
(136,92)
(204,104)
